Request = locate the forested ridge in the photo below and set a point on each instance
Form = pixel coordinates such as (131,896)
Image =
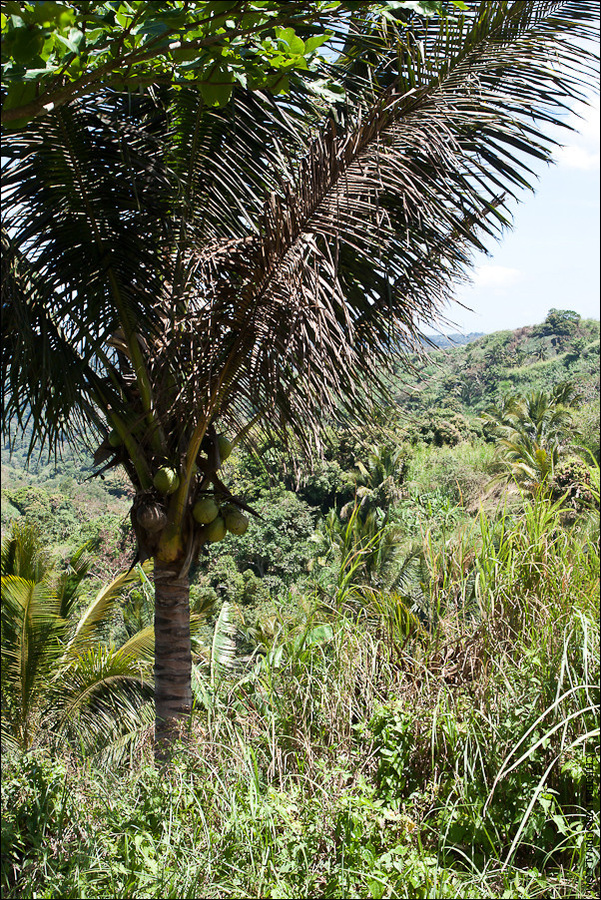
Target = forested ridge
(395,670)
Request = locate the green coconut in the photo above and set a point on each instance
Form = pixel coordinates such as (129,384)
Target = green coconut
(236,521)
(215,530)
(205,510)
(225,447)
(115,438)
(166,480)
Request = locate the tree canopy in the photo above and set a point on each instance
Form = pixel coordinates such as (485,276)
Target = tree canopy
(54,52)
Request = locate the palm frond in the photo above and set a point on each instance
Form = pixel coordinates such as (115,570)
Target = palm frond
(103,688)
(140,646)
(223,646)
(32,643)
(22,553)
(58,678)
(76,191)
(369,229)
(78,569)
(95,616)
(280,251)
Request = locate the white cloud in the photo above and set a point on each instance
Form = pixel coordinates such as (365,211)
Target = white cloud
(498,277)
(581,150)
(575,157)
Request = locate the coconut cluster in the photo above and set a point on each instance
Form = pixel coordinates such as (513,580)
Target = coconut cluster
(215,517)
(213,511)
(217,520)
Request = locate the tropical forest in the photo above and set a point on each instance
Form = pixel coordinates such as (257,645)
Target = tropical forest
(300,587)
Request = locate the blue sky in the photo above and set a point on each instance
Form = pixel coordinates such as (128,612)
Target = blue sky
(551,257)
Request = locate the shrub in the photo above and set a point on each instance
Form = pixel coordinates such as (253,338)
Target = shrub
(460,472)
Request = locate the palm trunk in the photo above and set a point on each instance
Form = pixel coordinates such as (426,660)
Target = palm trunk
(172,655)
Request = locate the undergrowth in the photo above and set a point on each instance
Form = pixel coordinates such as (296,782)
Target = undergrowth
(362,751)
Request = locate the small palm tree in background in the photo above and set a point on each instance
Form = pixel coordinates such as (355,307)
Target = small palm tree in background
(378,479)
(376,572)
(534,432)
(176,275)
(61,676)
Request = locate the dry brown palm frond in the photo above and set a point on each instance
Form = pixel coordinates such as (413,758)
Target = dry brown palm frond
(367,230)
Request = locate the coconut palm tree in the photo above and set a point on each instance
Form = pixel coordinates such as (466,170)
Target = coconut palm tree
(378,478)
(175,272)
(534,432)
(61,677)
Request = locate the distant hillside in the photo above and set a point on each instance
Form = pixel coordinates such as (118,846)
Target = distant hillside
(453,340)
(59,494)
(470,376)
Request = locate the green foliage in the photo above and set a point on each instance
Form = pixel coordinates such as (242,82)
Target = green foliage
(53,514)
(55,49)
(560,322)
(458,473)
(533,433)
(276,546)
(443,428)
(378,477)
(53,52)
(334,771)
(588,426)
(573,485)
(470,377)
(38,809)
(393,743)
(61,678)
(422,726)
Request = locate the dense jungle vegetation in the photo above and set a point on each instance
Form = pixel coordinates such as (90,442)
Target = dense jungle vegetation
(396,669)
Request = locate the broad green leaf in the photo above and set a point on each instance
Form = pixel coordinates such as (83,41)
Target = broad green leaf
(48,13)
(72,42)
(24,44)
(16,96)
(15,10)
(289,37)
(38,75)
(185,54)
(152,29)
(312,43)
(279,84)
(219,7)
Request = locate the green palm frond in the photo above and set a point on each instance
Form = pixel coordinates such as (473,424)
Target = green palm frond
(32,644)
(22,553)
(69,584)
(57,674)
(94,618)
(223,646)
(99,688)
(140,646)
(534,432)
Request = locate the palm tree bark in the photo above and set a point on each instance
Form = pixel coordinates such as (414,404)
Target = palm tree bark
(173,656)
